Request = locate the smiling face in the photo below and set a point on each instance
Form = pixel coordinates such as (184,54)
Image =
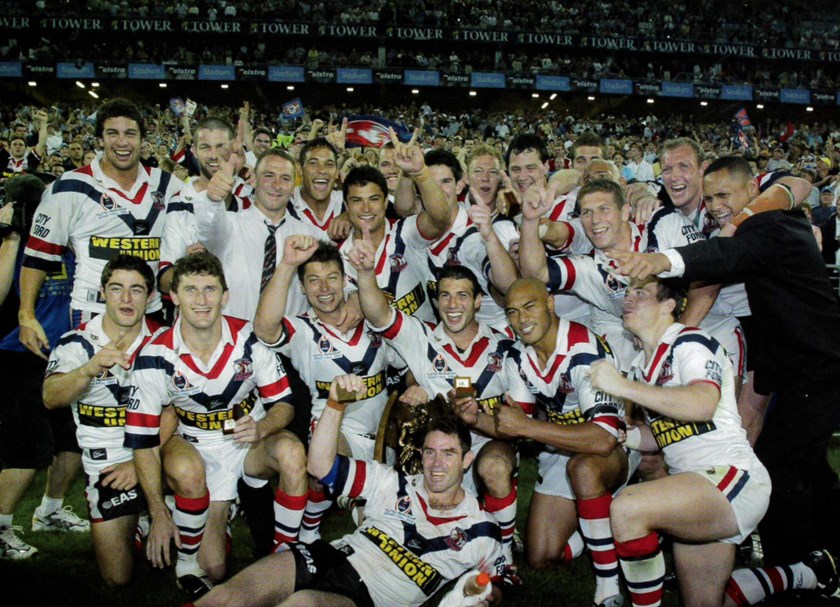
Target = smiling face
(457,304)
(275,183)
(443,462)
(261,143)
(200,298)
(529,310)
(726,194)
(526,169)
(323,285)
(366,207)
(320,171)
(682,176)
(121,144)
(444,177)
(603,220)
(125,296)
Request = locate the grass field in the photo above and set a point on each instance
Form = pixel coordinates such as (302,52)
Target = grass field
(64,573)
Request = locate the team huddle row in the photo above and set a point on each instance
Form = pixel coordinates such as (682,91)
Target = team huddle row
(497,288)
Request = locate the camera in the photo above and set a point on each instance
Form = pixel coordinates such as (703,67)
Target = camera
(24,192)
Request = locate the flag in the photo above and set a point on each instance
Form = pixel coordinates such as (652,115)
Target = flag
(372,131)
(788,132)
(293,109)
(741,139)
(742,118)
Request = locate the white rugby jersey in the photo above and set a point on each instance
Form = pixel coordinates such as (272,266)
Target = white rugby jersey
(88,212)
(464,246)
(100,412)
(405,551)
(166,373)
(320,353)
(435,361)
(562,389)
(180,230)
(684,356)
(400,267)
(298,209)
(594,279)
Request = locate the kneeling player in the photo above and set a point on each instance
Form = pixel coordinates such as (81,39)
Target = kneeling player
(581,465)
(208,367)
(89,371)
(717,490)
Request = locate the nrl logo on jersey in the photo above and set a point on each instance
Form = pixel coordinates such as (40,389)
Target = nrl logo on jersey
(109,207)
(325,349)
(401,510)
(244,369)
(181,386)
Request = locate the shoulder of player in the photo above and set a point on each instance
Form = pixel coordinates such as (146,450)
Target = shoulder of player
(692,336)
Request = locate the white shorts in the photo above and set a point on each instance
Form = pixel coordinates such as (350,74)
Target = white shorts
(96,460)
(748,494)
(553,478)
(224,463)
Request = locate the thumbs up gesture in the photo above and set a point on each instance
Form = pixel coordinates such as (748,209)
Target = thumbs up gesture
(221,185)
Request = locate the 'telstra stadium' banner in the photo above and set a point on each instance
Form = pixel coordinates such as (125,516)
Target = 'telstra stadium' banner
(10,70)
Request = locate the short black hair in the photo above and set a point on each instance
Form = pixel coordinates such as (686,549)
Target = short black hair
(213,123)
(198,263)
(439,156)
(604,186)
(361,176)
(523,143)
(452,426)
(672,289)
(731,164)
(116,108)
(457,272)
(586,139)
(129,263)
(263,131)
(314,144)
(325,253)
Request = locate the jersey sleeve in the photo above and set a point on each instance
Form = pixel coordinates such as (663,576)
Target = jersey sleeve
(147,395)
(50,231)
(354,477)
(411,234)
(407,336)
(695,356)
(179,232)
(71,352)
(272,381)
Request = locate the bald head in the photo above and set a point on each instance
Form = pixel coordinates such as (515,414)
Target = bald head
(530,287)
(600,169)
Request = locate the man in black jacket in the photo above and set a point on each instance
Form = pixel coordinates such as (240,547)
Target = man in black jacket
(797,317)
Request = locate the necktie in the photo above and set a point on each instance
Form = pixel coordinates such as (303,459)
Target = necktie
(269,257)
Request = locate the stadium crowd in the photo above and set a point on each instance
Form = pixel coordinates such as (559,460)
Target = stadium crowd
(249,290)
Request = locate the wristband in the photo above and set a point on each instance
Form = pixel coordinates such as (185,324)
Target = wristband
(422,176)
(634,438)
(334,404)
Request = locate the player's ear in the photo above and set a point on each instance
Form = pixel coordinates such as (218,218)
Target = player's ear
(468,460)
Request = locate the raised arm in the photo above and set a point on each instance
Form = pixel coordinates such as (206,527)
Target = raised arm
(268,322)
(532,260)
(374,304)
(324,444)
